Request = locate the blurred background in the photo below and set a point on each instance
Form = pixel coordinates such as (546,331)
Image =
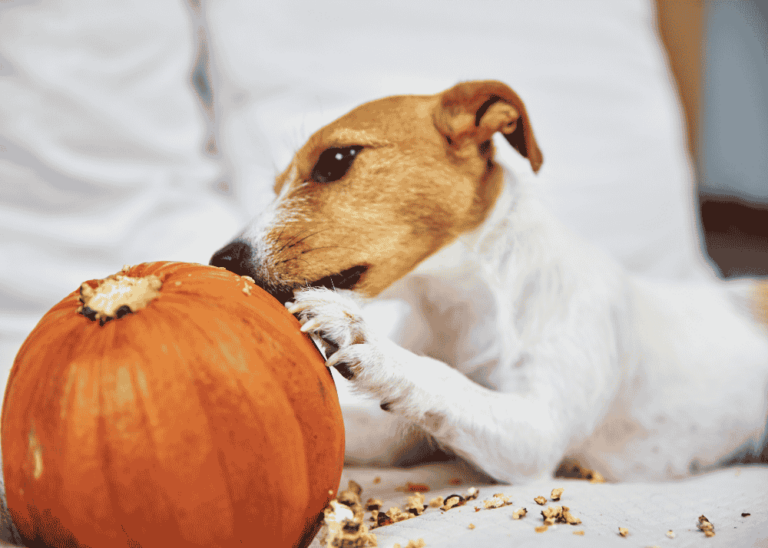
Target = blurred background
(719,55)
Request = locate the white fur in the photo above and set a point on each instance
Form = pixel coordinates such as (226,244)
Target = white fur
(541,347)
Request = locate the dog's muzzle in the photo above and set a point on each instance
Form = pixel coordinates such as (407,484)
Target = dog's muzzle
(235,257)
(238,257)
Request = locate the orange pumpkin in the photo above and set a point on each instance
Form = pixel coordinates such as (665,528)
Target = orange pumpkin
(203,418)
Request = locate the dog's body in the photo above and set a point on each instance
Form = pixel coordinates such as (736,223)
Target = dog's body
(524,343)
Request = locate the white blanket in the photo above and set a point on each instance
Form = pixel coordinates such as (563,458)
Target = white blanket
(647,510)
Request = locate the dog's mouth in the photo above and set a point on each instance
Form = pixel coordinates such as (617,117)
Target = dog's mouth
(346,279)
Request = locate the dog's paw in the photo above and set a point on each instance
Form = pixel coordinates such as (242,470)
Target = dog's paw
(375,365)
(336,319)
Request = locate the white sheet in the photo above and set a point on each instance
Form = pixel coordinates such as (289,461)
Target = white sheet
(646,510)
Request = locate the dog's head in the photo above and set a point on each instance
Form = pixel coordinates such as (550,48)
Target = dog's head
(374,193)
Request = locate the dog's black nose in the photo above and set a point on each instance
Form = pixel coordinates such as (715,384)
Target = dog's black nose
(235,257)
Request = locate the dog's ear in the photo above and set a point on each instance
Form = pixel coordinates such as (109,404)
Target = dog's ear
(477,110)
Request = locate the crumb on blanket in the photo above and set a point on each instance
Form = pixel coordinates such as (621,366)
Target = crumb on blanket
(706,526)
(519,513)
(344,528)
(411,487)
(415,504)
(498,500)
(436,502)
(452,501)
(373,504)
(413,544)
(570,468)
(559,514)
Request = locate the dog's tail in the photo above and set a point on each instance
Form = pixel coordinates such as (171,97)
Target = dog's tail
(760,301)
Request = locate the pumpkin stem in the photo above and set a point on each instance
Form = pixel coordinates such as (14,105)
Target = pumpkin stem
(116,296)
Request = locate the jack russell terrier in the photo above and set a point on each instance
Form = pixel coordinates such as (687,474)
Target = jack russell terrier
(528,344)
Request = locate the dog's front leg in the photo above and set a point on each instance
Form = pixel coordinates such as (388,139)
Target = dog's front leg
(508,436)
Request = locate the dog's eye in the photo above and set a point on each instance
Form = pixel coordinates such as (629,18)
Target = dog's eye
(334,164)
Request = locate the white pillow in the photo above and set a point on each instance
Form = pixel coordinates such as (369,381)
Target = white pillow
(593,75)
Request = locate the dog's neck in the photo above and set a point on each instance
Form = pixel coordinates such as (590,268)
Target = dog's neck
(488,252)
(463,297)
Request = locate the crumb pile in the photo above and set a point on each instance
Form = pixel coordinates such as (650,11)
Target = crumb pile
(344,527)
(345,516)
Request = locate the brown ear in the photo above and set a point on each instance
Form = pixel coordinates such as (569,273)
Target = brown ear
(477,110)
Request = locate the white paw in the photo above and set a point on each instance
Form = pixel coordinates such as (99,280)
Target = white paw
(337,320)
(356,352)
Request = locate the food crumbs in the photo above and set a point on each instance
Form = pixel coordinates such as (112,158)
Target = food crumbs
(580,533)
(671,534)
(595,477)
(556,493)
(415,504)
(395,514)
(498,500)
(351,495)
(623,531)
(706,526)
(519,513)
(376,480)
(541,501)
(553,514)
(745,514)
(345,528)
(177,284)
(455,481)
(373,504)
(471,526)
(541,528)
(436,502)
(410,487)
(413,544)
(453,501)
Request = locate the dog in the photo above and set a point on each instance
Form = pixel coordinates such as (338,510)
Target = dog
(525,344)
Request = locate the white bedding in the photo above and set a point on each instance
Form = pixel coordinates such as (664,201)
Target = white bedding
(647,510)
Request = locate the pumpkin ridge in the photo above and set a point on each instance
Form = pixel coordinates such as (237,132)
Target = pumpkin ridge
(139,323)
(243,392)
(168,503)
(197,365)
(101,425)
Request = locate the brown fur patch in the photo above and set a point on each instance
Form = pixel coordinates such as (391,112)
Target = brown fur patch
(410,191)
